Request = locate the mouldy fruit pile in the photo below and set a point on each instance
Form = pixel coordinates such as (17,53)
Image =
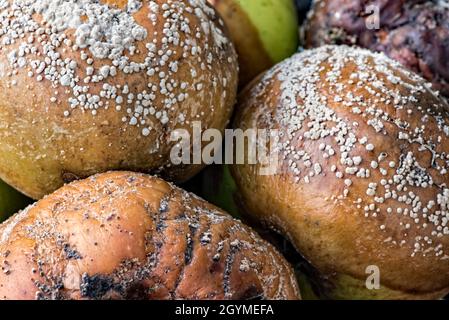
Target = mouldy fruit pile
(96,97)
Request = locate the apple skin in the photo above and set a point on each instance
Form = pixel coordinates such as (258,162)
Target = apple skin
(219,188)
(264,32)
(11,201)
(345,287)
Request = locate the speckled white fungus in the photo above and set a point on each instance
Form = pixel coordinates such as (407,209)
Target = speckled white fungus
(311,118)
(106,39)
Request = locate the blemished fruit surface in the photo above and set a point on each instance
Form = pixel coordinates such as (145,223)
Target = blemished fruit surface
(361,187)
(11,201)
(105,87)
(415,33)
(125,235)
(264,32)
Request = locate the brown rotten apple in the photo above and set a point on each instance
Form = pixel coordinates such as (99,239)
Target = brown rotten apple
(362,186)
(104,87)
(123,235)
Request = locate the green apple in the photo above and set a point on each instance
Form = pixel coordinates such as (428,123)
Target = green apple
(11,201)
(305,286)
(264,32)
